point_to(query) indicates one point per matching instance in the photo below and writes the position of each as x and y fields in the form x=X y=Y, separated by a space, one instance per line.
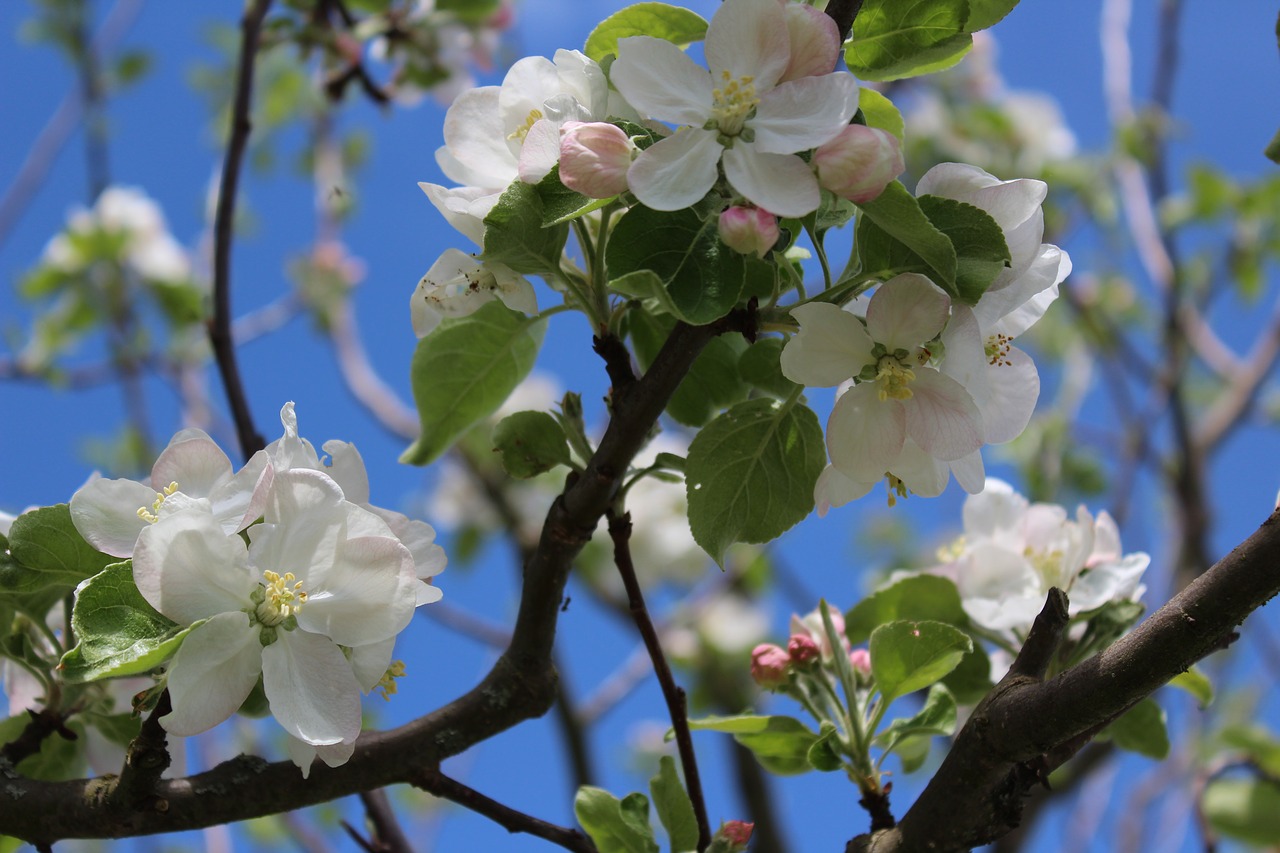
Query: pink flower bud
x=749 y=230
x=594 y=158
x=737 y=833
x=860 y=660
x=815 y=42
x=769 y=665
x=859 y=163
x=803 y=650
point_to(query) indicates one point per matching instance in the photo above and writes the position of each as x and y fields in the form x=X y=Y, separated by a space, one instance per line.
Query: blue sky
x=160 y=142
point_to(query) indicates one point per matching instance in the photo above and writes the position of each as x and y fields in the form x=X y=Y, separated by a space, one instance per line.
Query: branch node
x=1045 y=636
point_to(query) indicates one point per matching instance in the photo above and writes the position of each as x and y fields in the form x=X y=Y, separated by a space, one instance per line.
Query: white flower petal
x=782 y=184
x=830 y=347
x=661 y=81
x=369 y=662
x=1012 y=389
x=463 y=207
x=805 y=113
x=310 y=687
x=906 y=311
x=476 y=149
x=212 y=673
x=186 y=567
x=835 y=489
x=105 y=513
x=195 y=463
x=969 y=472
x=367 y=596
x=865 y=434
x=749 y=38
x=942 y=417
x=346 y=468
x=920 y=472
x=1016 y=308
x=540 y=151
x=676 y=172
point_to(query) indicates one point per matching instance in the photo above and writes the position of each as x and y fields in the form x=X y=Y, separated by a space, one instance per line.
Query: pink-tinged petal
x=291 y=450
x=920 y=472
x=804 y=113
x=830 y=347
x=906 y=311
x=300 y=492
x=346 y=467
x=370 y=662
x=188 y=569
x=419 y=537
x=362 y=521
x=661 y=81
x=212 y=673
x=969 y=472
x=1016 y=308
x=477 y=151
x=243 y=499
x=865 y=434
x=310 y=687
x=782 y=184
x=749 y=38
x=105 y=513
x=942 y=417
x=676 y=172
x=463 y=207
x=1012 y=389
x=540 y=151
x=835 y=489
x=196 y=464
x=815 y=42
x=368 y=596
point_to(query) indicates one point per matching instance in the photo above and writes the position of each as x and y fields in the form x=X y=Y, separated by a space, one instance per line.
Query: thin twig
x=388 y=837
x=620 y=533
x=42 y=724
x=220 y=338
x=435 y=782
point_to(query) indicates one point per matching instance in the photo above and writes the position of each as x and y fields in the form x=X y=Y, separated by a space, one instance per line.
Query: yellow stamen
x=733 y=103
x=151 y=516
x=896 y=489
x=280 y=600
x=893 y=377
x=997 y=349
x=535 y=115
x=387 y=684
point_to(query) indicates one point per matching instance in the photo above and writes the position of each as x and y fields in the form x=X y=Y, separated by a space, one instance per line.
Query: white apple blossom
x=126 y=212
x=898 y=394
x=319 y=574
x=739 y=112
x=110 y=514
x=457 y=284
x=1013 y=551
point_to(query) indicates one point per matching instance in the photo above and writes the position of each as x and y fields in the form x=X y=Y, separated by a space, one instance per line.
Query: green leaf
x=971 y=679
x=561 y=204
x=1272 y=151
x=120 y=729
x=987 y=13
x=616 y=826
x=879 y=111
x=781 y=744
x=673 y=806
x=909 y=656
x=118 y=631
x=750 y=473
x=912 y=751
x=893 y=39
x=1197 y=684
x=981 y=251
x=1247 y=809
x=1259 y=742
x=895 y=235
x=530 y=443
x=761 y=365
x=702 y=277
x=712 y=382
x=1142 y=730
x=918 y=597
x=937 y=717
x=45 y=541
x=464 y=370
x=823 y=754
x=514 y=234
x=660 y=20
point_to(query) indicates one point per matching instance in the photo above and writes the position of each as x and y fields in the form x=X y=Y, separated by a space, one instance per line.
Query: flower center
x=279 y=599
x=535 y=115
x=151 y=516
x=1048 y=564
x=893 y=377
x=387 y=684
x=732 y=104
x=895 y=487
x=997 y=348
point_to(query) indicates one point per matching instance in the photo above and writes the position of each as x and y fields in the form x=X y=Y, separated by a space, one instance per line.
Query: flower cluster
x=283 y=569
x=126 y=224
x=809 y=654
x=1013 y=551
x=926 y=381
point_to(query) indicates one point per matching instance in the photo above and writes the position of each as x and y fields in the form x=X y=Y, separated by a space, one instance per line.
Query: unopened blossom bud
x=859 y=163
x=815 y=42
x=749 y=230
x=769 y=665
x=733 y=836
x=860 y=660
x=594 y=158
x=802 y=650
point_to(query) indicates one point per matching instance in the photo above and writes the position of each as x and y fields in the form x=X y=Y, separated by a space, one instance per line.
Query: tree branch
x=387 y=834
x=220 y=324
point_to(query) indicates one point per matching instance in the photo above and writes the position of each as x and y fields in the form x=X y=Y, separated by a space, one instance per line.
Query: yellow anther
x=1048 y=564
x=997 y=349
x=535 y=115
x=952 y=551
x=151 y=516
x=896 y=489
x=387 y=684
x=733 y=103
x=893 y=377
x=283 y=597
